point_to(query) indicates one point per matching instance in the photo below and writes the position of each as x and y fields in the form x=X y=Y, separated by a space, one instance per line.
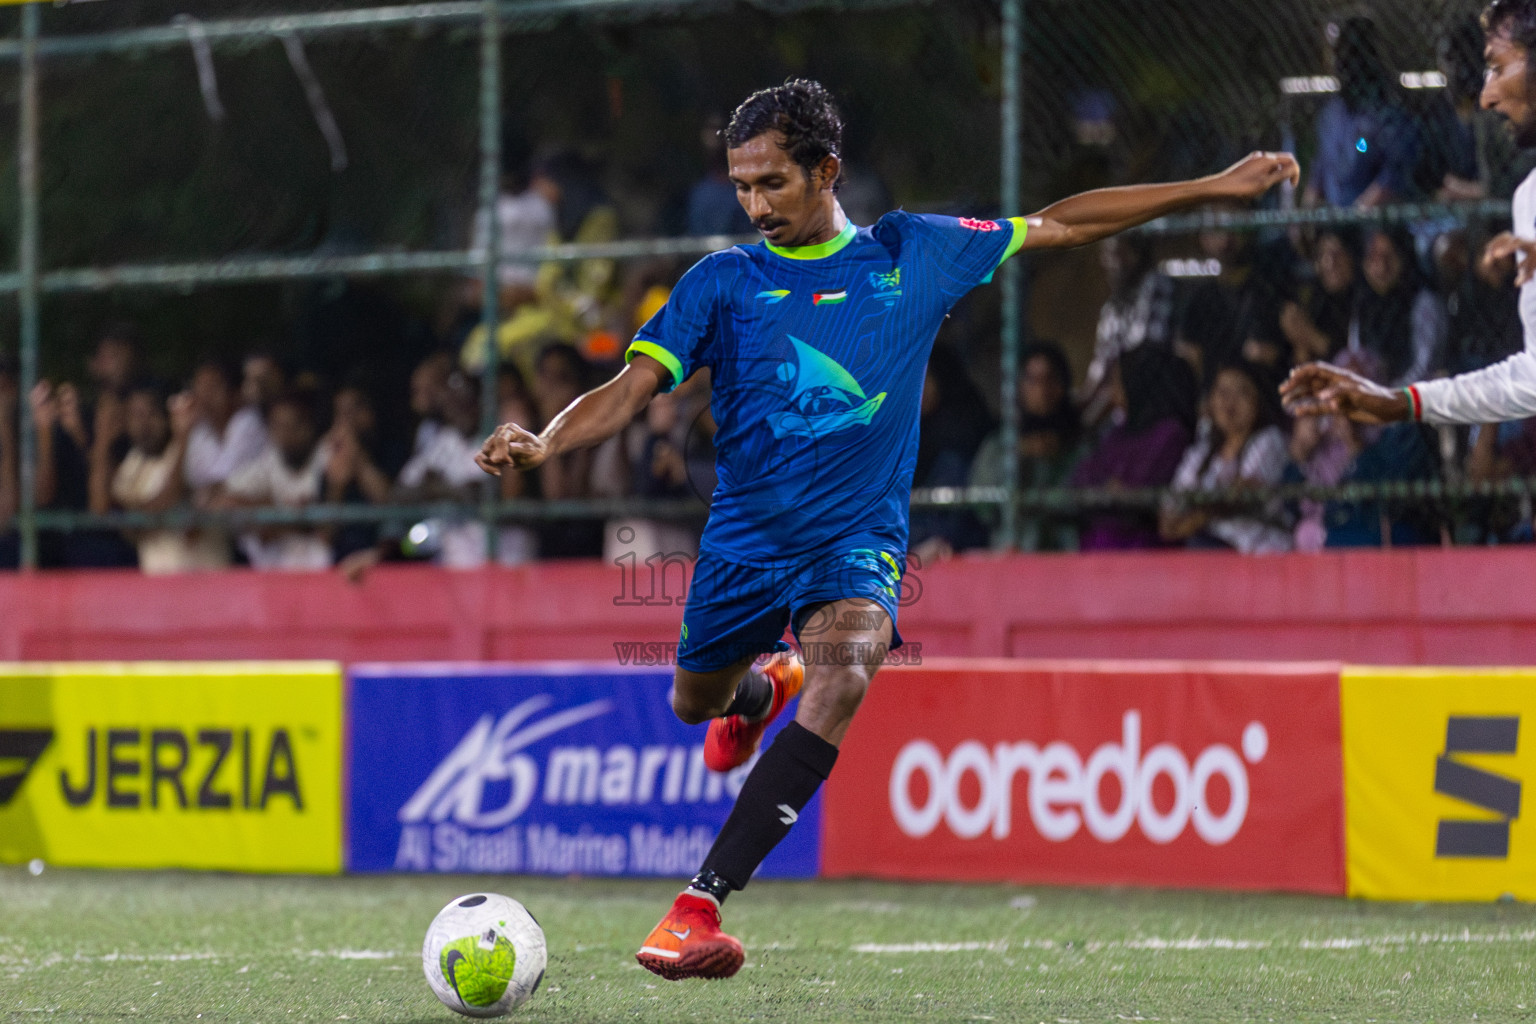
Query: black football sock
x=754 y=696
x=708 y=883
x=781 y=784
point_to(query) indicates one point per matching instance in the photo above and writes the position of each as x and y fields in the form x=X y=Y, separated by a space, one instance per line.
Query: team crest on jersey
x=887 y=286
x=980 y=225
x=824 y=397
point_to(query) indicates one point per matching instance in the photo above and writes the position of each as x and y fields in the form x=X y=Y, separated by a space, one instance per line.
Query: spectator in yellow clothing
x=570 y=298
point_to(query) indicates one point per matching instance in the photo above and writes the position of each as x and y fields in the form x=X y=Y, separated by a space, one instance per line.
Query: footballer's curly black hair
x=803 y=110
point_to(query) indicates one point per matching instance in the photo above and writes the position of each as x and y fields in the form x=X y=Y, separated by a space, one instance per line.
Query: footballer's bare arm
x=590 y=420
x=1091 y=216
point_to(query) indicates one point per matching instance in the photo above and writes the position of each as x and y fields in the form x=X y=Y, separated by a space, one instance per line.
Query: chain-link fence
x=304 y=179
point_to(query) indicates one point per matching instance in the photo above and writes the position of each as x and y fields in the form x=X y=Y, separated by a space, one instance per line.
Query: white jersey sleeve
x=1506 y=390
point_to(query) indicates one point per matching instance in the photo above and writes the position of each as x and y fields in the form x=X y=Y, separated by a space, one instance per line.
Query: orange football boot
x=731 y=742
x=688 y=943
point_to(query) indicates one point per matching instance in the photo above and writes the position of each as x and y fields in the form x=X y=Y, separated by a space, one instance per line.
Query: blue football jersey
x=817 y=357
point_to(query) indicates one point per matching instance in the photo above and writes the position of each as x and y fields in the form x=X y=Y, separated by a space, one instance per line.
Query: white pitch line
x=1466 y=935
x=107 y=958
x=119 y=957
x=1192 y=943
x=1202 y=944
x=929 y=947
x=167 y=958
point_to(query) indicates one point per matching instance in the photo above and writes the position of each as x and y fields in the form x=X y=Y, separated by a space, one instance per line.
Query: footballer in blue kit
x=817 y=343
x=817 y=357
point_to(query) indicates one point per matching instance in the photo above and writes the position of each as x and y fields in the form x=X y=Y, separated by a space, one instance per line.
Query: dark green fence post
x=27 y=265
x=1013 y=18
x=490 y=187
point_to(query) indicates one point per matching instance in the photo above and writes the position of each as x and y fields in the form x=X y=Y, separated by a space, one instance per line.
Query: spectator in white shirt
x=429 y=383
x=445 y=470
x=1242 y=448
x=1139 y=311
x=526 y=219
x=442 y=468
x=289 y=472
x=261 y=380
x=225 y=437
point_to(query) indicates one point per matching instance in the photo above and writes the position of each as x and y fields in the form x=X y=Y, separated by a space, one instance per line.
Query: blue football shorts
x=737 y=611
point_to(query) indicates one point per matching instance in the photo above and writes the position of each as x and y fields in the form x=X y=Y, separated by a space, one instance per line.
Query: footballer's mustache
x=768 y=225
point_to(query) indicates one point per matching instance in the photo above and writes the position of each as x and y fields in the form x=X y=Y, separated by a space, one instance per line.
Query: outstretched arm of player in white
x=589 y=420
x=1090 y=216
x=1503 y=391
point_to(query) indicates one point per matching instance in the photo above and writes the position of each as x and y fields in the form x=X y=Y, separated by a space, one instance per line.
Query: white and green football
x=484 y=955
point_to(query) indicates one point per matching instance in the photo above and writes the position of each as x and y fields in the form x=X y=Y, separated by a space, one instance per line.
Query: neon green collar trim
x=815 y=252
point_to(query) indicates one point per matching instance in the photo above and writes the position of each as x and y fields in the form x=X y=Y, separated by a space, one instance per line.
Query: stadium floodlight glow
x=1191 y=268
x=1303 y=85
x=1311 y=85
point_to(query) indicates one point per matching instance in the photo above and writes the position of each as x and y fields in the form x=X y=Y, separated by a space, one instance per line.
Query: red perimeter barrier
x=1415 y=606
x=1225 y=776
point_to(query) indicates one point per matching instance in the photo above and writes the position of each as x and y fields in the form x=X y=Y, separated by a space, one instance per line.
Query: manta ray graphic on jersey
x=826 y=398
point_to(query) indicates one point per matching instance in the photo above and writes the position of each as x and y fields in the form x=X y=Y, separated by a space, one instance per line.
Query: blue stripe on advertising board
x=530 y=769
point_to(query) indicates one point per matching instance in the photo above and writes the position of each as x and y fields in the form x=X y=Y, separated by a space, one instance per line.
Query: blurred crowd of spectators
x=250 y=436
x=1179 y=392
x=341 y=428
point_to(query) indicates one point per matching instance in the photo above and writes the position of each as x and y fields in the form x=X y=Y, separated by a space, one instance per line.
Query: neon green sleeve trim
x=1020 y=229
x=661 y=355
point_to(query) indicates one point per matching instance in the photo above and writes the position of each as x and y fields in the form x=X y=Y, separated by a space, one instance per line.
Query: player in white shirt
x=1506 y=390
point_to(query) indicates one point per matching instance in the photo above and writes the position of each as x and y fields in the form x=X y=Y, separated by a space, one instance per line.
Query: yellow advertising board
x=233 y=766
x=1435 y=765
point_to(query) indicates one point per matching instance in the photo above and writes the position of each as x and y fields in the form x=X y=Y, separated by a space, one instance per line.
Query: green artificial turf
x=105 y=946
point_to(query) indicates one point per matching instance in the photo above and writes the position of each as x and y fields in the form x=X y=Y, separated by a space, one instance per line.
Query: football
x=484 y=955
